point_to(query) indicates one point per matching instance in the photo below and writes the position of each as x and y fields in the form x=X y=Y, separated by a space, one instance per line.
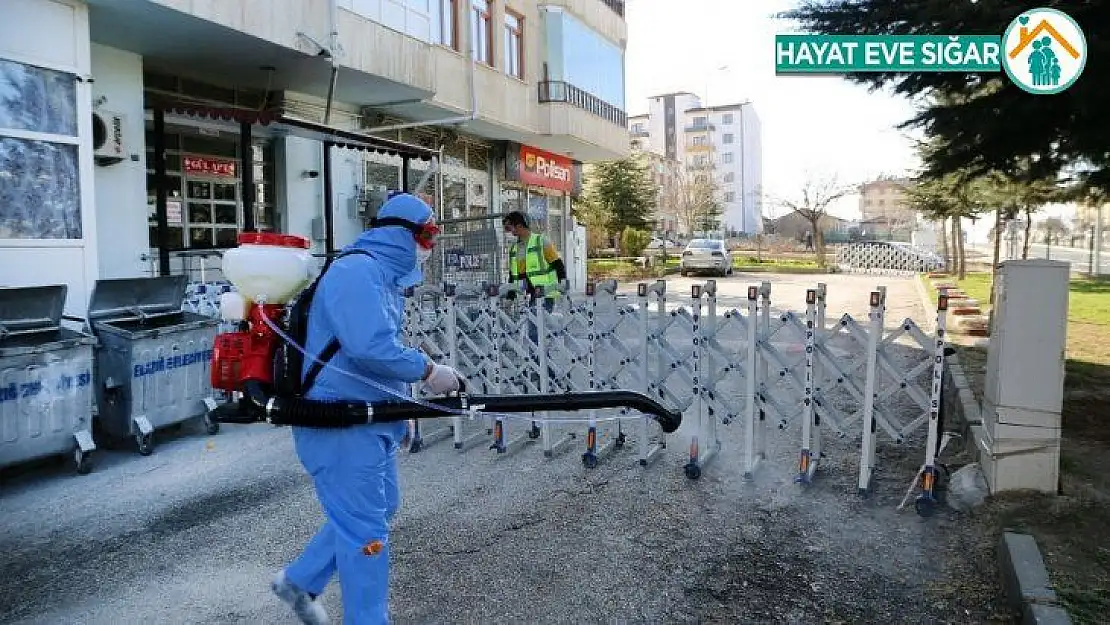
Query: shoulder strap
x=332 y=348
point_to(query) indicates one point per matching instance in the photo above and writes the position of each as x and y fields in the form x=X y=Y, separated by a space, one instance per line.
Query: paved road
x=1080 y=258
x=193 y=533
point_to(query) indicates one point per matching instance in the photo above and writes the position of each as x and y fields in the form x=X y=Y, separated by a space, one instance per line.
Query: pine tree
x=623 y=190
x=987 y=123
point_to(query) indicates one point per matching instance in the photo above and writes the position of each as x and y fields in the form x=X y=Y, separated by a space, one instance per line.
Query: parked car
x=706 y=255
x=659 y=244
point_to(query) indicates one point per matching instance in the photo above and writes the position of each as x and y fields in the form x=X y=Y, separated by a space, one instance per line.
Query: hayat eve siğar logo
x=1045 y=51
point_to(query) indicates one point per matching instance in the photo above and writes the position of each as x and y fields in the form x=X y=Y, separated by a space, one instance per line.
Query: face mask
x=422 y=255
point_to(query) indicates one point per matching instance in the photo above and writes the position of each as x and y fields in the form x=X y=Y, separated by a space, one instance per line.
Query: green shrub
x=634 y=241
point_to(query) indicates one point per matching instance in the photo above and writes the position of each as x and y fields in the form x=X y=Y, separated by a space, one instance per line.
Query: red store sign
x=204 y=166
x=544 y=169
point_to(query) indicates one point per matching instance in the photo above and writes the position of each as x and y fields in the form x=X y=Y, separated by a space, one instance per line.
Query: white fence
x=887 y=258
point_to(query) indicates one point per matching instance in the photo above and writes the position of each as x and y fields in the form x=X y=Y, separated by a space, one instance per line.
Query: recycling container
x=46 y=399
x=153 y=358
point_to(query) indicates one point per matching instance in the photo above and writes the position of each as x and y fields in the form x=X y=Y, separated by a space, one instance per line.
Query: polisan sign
x=544 y=169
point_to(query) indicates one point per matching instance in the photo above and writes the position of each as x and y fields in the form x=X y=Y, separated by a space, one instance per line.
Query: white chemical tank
x=268 y=267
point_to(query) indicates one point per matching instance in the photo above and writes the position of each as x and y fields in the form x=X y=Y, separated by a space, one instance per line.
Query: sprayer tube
x=316 y=414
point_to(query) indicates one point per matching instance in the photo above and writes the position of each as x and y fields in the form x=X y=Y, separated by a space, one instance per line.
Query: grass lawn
x=1070 y=528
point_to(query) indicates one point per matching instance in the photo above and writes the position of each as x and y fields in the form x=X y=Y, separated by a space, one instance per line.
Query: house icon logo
x=1045 y=51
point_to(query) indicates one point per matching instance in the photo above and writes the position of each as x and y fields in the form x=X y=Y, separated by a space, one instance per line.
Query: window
x=727 y=119
x=40 y=193
x=727 y=138
x=637 y=128
x=480 y=26
x=730 y=177
x=701 y=179
x=726 y=157
x=449 y=23
x=514 y=44
x=700 y=161
x=581 y=56
x=700 y=121
x=730 y=196
x=699 y=140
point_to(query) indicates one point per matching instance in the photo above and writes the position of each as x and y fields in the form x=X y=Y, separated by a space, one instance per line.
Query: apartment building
x=884 y=208
x=723 y=142
x=160 y=129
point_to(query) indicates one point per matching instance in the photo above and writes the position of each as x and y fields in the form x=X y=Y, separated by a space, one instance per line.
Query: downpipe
x=259 y=405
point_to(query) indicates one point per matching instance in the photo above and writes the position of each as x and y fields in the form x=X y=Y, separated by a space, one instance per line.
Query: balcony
x=616 y=5
x=700 y=127
x=562 y=92
x=699 y=147
x=639 y=133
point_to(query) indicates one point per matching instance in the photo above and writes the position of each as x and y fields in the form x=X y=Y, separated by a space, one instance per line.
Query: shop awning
x=287 y=125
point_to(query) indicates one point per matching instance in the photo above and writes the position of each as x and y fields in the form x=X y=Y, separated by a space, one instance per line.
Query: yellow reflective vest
x=536 y=268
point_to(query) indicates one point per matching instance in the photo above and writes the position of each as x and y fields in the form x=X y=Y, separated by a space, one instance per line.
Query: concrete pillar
x=1019 y=441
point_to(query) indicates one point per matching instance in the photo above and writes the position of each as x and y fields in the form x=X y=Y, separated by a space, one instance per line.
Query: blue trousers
x=355 y=474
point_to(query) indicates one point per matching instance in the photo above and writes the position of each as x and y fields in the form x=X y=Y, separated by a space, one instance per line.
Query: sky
x=812 y=126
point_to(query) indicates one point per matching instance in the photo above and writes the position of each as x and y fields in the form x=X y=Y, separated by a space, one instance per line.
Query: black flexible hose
x=259 y=405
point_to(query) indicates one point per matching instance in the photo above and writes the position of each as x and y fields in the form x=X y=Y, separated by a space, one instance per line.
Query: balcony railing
x=616 y=5
x=559 y=91
x=700 y=127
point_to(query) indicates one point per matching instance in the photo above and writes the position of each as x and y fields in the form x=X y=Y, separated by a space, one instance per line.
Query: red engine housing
x=239 y=357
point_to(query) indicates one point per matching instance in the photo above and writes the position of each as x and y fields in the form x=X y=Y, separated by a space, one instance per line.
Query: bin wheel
x=145 y=443
x=83 y=461
x=211 y=427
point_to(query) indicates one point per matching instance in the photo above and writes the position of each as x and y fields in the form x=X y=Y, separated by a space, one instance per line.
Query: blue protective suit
x=360 y=301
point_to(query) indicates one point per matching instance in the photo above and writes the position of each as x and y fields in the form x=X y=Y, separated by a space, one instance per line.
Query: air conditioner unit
x=108 y=137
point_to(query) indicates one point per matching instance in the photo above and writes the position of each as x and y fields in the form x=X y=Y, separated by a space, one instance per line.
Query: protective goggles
x=425 y=234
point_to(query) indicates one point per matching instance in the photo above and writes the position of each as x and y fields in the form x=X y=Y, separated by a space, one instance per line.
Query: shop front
x=543 y=186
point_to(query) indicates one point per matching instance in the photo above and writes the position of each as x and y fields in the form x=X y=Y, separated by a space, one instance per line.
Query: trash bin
x=153 y=360
x=45 y=379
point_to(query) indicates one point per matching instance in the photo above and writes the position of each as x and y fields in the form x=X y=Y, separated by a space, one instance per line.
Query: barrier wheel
x=145 y=443
x=416 y=445
x=534 y=433
x=590 y=460
x=621 y=439
x=925 y=506
x=692 y=471
x=83 y=461
x=211 y=427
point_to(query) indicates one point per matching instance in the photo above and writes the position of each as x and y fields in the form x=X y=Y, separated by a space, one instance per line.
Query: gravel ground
x=193 y=533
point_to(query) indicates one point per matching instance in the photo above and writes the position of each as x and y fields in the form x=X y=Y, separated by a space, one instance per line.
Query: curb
x=1026 y=581
x=1024 y=575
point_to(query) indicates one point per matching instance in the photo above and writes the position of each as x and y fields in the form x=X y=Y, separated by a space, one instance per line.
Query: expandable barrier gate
x=839 y=377
x=884 y=259
x=743 y=364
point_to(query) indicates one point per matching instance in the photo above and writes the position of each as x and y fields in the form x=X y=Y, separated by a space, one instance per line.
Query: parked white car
x=706 y=255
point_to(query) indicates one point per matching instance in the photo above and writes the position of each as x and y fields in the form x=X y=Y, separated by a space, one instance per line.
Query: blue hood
x=394 y=246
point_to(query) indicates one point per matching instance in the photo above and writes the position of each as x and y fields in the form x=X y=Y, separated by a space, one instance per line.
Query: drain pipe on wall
x=460 y=119
x=333 y=49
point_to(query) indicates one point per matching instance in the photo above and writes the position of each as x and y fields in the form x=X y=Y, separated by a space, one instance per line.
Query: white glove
x=442 y=380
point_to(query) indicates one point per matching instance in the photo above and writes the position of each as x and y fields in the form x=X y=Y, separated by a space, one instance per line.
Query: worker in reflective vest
x=536 y=263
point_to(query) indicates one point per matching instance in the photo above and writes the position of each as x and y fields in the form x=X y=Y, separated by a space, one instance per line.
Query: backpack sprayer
x=263 y=361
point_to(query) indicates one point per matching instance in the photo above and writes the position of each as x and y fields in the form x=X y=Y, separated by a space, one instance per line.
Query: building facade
x=139 y=137
x=721 y=142
x=885 y=210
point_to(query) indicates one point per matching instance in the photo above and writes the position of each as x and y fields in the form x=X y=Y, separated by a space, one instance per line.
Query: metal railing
x=559 y=91
x=616 y=5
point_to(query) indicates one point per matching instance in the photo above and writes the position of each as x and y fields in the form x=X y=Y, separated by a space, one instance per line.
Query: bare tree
x=812 y=204
x=691 y=197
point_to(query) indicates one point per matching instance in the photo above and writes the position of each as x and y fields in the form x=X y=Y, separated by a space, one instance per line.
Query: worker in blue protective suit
x=359 y=301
